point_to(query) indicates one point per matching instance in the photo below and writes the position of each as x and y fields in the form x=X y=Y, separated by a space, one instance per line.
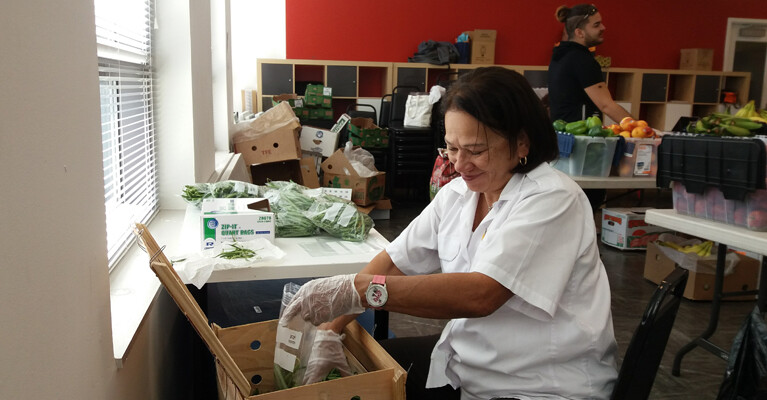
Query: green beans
x=194 y=194
x=238 y=252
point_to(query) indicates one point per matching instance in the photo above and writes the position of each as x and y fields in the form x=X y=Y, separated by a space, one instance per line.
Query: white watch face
x=376 y=295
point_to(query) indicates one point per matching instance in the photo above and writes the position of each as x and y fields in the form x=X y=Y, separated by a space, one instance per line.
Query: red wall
x=642 y=34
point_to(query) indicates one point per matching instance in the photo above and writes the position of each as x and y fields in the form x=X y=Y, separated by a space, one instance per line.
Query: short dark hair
x=575 y=17
x=503 y=101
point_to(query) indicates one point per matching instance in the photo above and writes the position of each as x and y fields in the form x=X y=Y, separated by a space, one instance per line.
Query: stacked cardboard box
x=319 y=100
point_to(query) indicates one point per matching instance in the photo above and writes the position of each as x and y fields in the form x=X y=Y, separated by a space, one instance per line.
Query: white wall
x=56 y=335
x=56 y=324
x=258 y=31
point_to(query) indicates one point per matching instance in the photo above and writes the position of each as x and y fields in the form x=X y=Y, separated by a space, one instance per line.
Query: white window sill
x=133 y=285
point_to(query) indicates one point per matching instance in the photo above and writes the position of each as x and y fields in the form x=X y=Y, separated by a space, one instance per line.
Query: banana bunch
x=723 y=124
x=749 y=111
x=702 y=249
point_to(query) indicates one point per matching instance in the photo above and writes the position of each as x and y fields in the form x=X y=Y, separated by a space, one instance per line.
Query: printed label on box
x=643 y=164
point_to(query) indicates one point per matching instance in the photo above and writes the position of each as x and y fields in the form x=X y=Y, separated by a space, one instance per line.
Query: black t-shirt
x=572 y=69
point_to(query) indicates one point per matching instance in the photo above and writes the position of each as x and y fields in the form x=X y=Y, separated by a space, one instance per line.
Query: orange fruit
x=641 y=123
x=628 y=124
x=642 y=132
x=615 y=128
x=625 y=134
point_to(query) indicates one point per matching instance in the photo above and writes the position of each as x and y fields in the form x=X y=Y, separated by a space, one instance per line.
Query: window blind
x=123 y=34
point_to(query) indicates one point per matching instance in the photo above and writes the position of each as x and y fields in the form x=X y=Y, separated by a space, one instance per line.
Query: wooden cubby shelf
x=659 y=96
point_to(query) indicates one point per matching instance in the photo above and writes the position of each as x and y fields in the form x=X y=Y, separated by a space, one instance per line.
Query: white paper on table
x=196 y=268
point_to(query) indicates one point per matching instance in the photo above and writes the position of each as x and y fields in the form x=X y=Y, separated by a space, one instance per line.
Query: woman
x=507 y=252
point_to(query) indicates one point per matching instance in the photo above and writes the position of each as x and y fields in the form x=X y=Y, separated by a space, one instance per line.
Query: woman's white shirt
x=554 y=338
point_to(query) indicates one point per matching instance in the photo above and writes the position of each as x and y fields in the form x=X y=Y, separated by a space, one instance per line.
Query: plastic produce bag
x=195 y=193
x=746 y=374
x=289 y=201
x=294 y=344
x=340 y=219
x=361 y=160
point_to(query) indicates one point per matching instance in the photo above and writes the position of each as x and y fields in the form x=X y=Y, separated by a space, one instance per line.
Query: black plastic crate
x=734 y=165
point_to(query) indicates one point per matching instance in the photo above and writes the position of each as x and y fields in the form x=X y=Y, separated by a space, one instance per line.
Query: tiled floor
x=701 y=371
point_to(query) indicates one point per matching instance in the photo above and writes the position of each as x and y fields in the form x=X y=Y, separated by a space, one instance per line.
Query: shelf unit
x=350 y=80
x=659 y=96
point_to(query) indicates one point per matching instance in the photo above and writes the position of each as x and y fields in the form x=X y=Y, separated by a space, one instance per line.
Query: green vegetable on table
x=238 y=252
x=576 y=127
x=340 y=219
x=560 y=125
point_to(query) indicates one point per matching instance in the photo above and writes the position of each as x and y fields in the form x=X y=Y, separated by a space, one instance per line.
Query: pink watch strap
x=379 y=279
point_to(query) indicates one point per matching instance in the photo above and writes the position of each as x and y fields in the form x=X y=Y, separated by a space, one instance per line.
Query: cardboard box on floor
x=271 y=137
x=625 y=229
x=245 y=374
x=318 y=140
x=337 y=171
x=700 y=285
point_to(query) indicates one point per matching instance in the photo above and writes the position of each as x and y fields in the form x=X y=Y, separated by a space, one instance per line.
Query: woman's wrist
x=361 y=283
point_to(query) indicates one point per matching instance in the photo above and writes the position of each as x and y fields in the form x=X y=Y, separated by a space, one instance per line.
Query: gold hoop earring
x=523 y=161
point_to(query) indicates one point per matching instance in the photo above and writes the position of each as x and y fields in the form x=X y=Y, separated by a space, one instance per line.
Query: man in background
x=577 y=89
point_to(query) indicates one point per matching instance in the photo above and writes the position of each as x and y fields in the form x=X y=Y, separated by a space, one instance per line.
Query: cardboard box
x=625 y=228
x=696 y=59
x=239 y=219
x=700 y=286
x=318 y=140
x=271 y=137
x=483 y=46
x=244 y=354
x=278 y=145
x=364 y=132
x=381 y=209
x=320 y=113
x=291 y=98
x=287 y=170
x=309 y=174
x=338 y=172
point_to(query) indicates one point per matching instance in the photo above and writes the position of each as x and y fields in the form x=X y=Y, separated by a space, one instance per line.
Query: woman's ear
x=523 y=145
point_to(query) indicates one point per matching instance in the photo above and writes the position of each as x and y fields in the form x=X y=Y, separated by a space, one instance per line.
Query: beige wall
x=55 y=335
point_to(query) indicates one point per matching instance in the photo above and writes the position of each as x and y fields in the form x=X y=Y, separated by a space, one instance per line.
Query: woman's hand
x=323 y=300
x=327 y=353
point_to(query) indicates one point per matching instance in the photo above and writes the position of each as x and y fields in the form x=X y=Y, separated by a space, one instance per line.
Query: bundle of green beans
x=288 y=203
x=340 y=219
x=237 y=252
x=195 y=193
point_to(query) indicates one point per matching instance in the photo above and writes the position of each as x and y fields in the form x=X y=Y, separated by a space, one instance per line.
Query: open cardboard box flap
x=381 y=378
x=338 y=164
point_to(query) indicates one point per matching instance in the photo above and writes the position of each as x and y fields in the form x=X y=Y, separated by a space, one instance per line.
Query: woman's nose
x=459 y=162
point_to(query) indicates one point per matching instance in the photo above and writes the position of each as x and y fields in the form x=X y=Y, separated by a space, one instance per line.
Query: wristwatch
x=377 y=294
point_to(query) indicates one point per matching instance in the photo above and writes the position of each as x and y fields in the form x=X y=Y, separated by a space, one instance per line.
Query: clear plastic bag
x=289 y=201
x=340 y=219
x=195 y=193
x=295 y=339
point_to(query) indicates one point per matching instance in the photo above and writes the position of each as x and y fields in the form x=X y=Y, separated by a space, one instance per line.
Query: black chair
x=645 y=351
x=412 y=151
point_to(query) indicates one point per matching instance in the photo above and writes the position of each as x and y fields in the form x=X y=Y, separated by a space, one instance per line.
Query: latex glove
x=325 y=299
x=327 y=353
